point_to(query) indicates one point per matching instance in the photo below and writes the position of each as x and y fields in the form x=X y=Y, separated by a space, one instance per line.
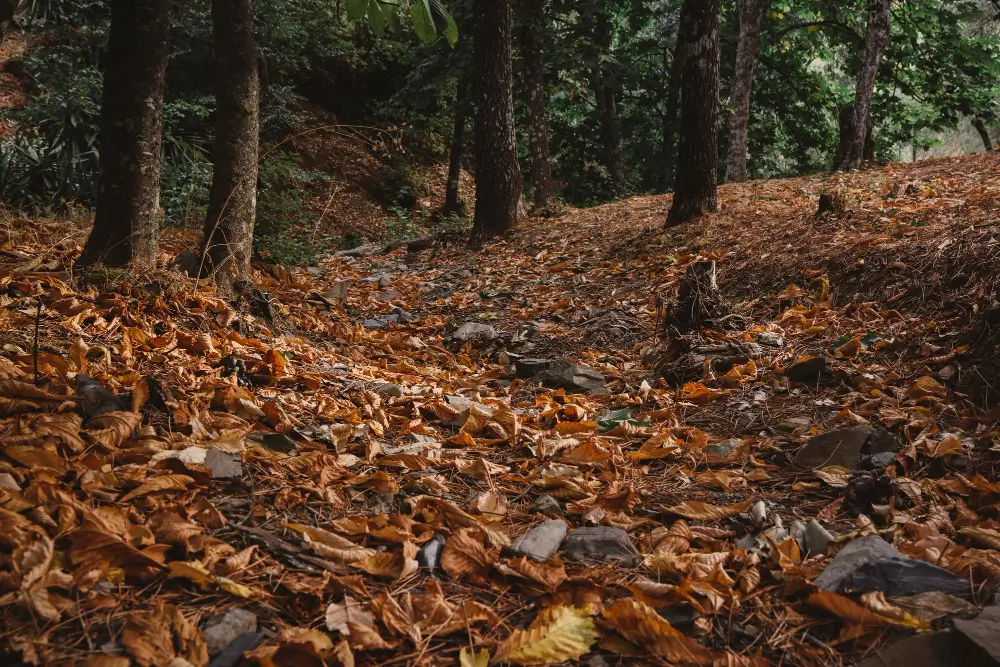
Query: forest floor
x=343 y=475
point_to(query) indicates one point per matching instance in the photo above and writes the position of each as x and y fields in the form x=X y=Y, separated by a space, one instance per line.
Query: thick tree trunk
x=696 y=191
x=128 y=196
x=668 y=167
x=232 y=206
x=534 y=80
x=607 y=105
x=853 y=145
x=452 y=196
x=751 y=18
x=498 y=176
x=984 y=133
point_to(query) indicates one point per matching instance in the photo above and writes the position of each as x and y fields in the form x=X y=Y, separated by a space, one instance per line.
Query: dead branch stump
x=699 y=302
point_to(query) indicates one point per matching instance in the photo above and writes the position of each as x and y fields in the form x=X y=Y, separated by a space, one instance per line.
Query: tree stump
x=699 y=301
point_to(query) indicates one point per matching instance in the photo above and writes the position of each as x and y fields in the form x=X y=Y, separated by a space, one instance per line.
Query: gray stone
x=187 y=262
x=221 y=630
x=870 y=563
x=474 y=331
x=336 y=293
x=390 y=389
x=233 y=654
x=223 y=464
x=845 y=446
x=723 y=448
x=546 y=504
x=930 y=649
x=384 y=280
x=526 y=368
x=560 y=374
x=793 y=426
x=818 y=538
x=982 y=633
x=798 y=531
x=541 y=541
x=771 y=339
x=429 y=555
x=602 y=543
x=385 y=297
x=808 y=370
x=382 y=322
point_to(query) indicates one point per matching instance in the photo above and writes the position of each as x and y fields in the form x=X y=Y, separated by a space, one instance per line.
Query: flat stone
x=526 y=368
x=223 y=464
x=771 y=339
x=429 y=555
x=982 y=632
x=384 y=280
x=546 y=504
x=723 y=448
x=232 y=655
x=808 y=369
x=385 y=297
x=336 y=293
x=221 y=630
x=870 y=563
x=845 y=447
x=931 y=649
x=474 y=331
x=576 y=378
x=541 y=541
x=378 y=323
x=818 y=538
x=602 y=543
x=390 y=389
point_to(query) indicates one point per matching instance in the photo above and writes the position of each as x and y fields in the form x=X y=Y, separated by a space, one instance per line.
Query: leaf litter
x=355 y=478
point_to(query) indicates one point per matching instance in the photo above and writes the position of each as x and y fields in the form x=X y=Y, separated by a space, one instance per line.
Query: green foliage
x=284 y=232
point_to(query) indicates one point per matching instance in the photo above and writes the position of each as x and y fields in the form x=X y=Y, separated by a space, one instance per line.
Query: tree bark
x=128 y=196
x=696 y=191
x=232 y=205
x=452 y=197
x=607 y=105
x=668 y=167
x=984 y=133
x=498 y=176
x=751 y=18
x=534 y=79
x=853 y=145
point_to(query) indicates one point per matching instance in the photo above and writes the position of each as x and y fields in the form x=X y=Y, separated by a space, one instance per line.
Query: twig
x=34 y=351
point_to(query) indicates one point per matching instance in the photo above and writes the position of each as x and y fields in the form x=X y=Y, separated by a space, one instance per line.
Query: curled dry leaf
x=465 y=556
x=697 y=510
x=332 y=546
x=162 y=636
x=156 y=484
x=556 y=635
x=642 y=626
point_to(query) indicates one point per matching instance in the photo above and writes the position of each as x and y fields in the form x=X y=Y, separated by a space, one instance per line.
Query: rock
x=793 y=426
x=220 y=631
x=931 y=649
x=384 y=280
x=870 y=563
x=759 y=513
x=187 y=262
x=382 y=322
x=474 y=331
x=806 y=369
x=602 y=543
x=934 y=605
x=845 y=446
x=429 y=555
x=541 y=541
x=817 y=538
x=96 y=399
x=337 y=293
x=385 y=297
x=546 y=504
x=233 y=654
x=527 y=368
x=723 y=448
x=981 y=634
x=560 y=374
x=359 y=251
x=877 y=461
x=797 y=531
x=223 y=464
x=771 y=339
x=390 y=389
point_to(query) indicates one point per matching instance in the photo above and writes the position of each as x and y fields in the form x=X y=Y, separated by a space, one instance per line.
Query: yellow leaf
x=701 y=511
x=699 y=393
x=572 y=428
x=876 y=603
x=466 y=658
x=556 y=635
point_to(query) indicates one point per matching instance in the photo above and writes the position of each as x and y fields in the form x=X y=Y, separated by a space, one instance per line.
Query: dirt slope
x=307 y=486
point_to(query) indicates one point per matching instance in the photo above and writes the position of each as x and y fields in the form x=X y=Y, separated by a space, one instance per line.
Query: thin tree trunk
x=668 y=167
x=607 y=104
x=128 y=196
x=853 y=150
x=232 y=206
x=534 y=75
x=452 y=197
x=984 y=133
x=498 y=176
x=751 y=18
x=696 y=191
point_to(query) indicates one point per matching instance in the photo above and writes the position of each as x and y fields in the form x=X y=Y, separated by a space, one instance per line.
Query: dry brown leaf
x=156 y=484
x=556 y=635
x=697 y=510
x=465 y=556
x=157 y=638
x=641 y=625
x=330 y=545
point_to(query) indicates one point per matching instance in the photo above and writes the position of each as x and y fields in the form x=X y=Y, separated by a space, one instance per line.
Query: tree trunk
x=984 y=133
x=452 y=197
x=669 y=150
x=128 y=196
x=751 y=18
x=607 y=105
x=232 y=205
x=534 y=79
x=853 y=148
x=498 y=176
x=696 y=191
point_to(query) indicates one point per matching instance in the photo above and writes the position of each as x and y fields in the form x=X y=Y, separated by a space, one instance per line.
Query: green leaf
x=423 y=23
x=376 y=19
x=450 y=27
x=356 y=9
x=391 y=15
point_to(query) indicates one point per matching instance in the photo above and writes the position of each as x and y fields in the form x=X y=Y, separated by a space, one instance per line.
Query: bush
x=284 y=232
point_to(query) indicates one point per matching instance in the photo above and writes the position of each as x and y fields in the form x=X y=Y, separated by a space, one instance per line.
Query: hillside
x=172 y=459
